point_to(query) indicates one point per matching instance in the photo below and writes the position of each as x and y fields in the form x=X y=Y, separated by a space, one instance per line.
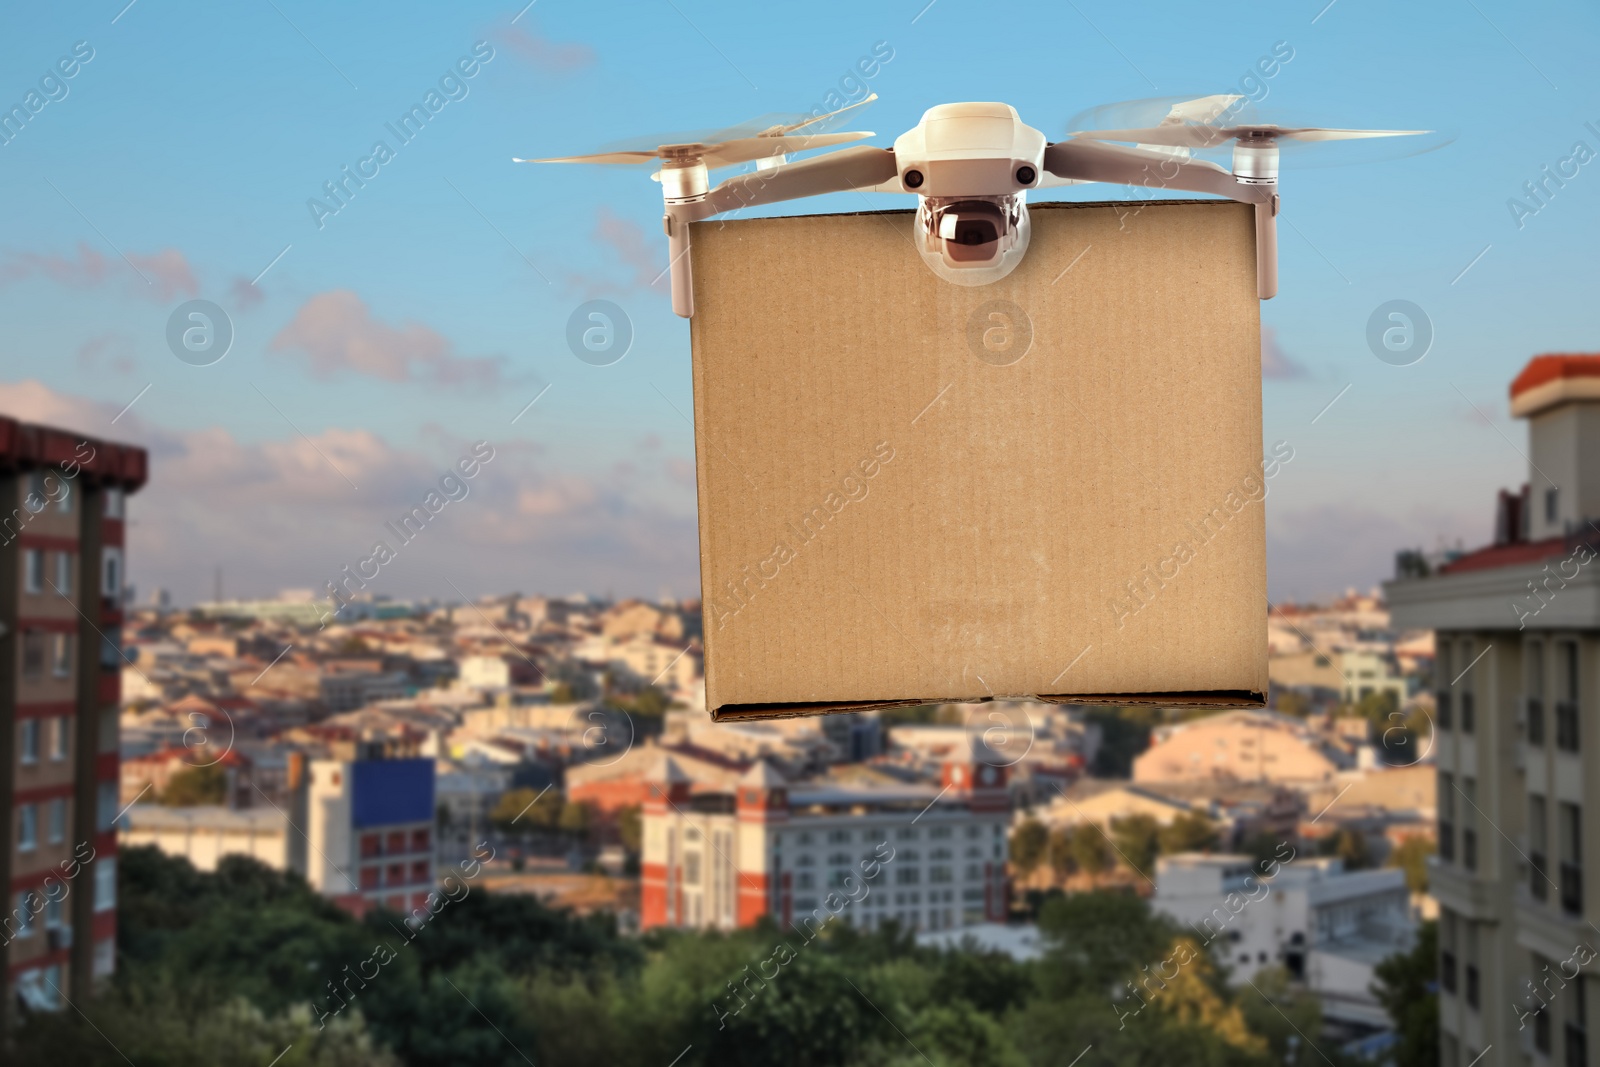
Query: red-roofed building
x=1517 y=732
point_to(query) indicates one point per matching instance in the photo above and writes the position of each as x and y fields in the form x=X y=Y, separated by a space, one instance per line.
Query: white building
x=1326 y=926
x=204 y=834
x=928 y=857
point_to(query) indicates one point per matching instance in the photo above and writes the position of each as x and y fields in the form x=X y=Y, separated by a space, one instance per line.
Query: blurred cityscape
x=284 y=774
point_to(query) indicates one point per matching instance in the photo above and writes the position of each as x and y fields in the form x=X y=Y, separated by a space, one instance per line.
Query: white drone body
x=970 y=166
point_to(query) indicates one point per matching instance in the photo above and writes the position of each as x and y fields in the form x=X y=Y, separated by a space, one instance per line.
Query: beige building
x=1241 y=746
x=1518 y=671
x=204 y=834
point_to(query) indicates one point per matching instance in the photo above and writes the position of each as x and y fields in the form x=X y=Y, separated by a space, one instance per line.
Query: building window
x=61 y=655
x=1538 y=846
x=24 y=914
x=1577 y=1031
x=691 y=868
x=58 y=737
x=1535 y=693
x=56 y=830
x=113 y=503
x=836 y=837
x=106 y=809
x=1570 y=829
x=111 y=575
x=1541 y=1021
x=396 y=842
x=32 y=571
x=419 y=840
x=1447 y=817
x=38 y=497
x=33 y=653
x=27 y=827
x=1467 y=710
x=1567 y=706
x=64 y=505
x=396 y=874
x=29 y=752
x=369 y=877
x=105 y=883
x=64 y=573
x=1469 y=823
x=370 y=846
x=419 y=871
x=1552 y=505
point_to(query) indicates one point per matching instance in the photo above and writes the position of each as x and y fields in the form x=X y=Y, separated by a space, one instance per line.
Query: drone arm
x=862 y=167
x=850 y=168
x=1103 y=162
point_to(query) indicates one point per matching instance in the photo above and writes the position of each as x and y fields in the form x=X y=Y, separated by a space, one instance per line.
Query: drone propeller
x=1201 y=135
x=1231 y=120
x=758 y=139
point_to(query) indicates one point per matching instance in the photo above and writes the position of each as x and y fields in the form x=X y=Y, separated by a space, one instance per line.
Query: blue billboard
x=389 y=791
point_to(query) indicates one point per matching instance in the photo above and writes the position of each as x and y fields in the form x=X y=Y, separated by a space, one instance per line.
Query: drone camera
x=972 y=240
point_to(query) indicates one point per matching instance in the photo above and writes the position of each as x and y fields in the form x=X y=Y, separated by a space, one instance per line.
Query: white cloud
x=274 y=515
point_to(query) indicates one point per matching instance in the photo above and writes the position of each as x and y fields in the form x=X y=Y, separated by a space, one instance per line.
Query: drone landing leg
x=677 y=226
x=1267 y=248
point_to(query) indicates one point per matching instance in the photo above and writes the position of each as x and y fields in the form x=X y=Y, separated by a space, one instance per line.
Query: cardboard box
x=914 y=492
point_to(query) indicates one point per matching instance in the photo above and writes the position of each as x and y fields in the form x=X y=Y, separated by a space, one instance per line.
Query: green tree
x=1293 y=702
x=1411 y=856
x=196 y=785
x=1189 y=832
x=1061 y=850
x=630 y=828
x=1124 y=733
x=1138 y=837
x=561 y=693
x=1350 y=845
x=1030 y=842
x=1406 y=987
x=1261 y=847
x=650 y=701
x=527 y=809
x=1091 y=852
x=574 y=819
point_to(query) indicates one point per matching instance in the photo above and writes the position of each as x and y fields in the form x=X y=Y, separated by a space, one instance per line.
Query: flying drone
x=970 y=166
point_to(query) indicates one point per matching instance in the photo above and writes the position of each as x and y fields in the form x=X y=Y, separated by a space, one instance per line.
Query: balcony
x=1466 y=893
x=1572 y=889
x=1567 y=726
x=1535 y=721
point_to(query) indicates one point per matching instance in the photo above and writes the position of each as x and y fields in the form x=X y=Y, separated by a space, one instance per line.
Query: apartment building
x=61 y=580
x=369 y=827
x=1517 y=732
x=930 y=857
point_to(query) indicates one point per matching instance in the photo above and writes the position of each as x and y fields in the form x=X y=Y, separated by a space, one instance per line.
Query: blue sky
x=431 y=308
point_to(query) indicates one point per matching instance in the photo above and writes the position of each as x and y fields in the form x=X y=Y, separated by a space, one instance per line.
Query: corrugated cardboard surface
x=895 y=508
